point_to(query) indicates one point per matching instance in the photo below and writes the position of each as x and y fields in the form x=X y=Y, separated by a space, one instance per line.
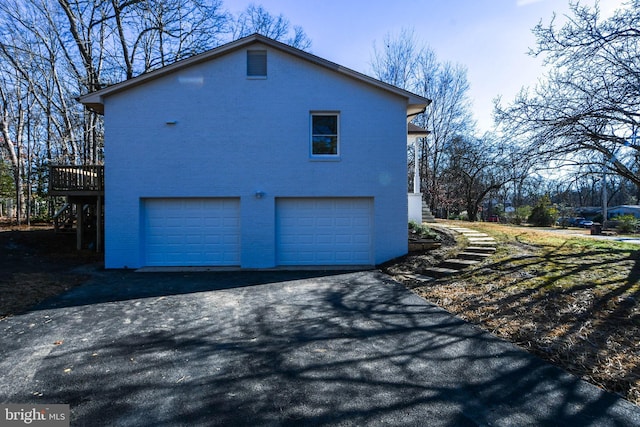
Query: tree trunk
x=14 y=152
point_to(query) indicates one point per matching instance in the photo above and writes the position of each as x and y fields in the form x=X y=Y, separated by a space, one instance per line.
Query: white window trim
x=325 y=157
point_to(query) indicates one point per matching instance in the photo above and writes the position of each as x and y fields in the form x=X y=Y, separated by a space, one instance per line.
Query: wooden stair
x=64 y=219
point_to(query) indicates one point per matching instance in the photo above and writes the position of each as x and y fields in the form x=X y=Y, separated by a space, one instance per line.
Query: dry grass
x=574 y=301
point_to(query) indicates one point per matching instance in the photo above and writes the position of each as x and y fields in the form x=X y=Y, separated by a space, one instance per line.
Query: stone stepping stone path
x=481 y=247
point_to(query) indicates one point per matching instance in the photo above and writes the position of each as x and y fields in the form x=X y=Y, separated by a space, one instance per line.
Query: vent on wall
x=256 y=63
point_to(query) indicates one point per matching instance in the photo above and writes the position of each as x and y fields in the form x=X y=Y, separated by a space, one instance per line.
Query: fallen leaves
x=570 y=301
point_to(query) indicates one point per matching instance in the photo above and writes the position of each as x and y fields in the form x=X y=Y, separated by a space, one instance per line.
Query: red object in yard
x=493 y=218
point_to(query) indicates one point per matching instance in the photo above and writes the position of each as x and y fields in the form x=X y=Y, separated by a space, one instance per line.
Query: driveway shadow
x=121 y=285
x=339 y=349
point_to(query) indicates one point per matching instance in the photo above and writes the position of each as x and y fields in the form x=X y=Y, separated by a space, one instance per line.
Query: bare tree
x=168 y=31
x=256 y=19
x=448 y=117
x=476 y=167
x=12 y=124
x=588 y=103
x=395 y=63
x=404 y=62
x=51 y=51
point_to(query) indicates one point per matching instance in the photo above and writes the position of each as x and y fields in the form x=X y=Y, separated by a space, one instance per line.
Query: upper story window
x=257 y=63
x=325 y=134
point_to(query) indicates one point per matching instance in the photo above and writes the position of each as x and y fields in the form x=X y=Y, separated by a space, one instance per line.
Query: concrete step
x=457 y=263
x=475 y=235
x=461 y=230
x=427 y=216
x=488 y=249
x=482 y=241
x=438 y=272
x=478 y=256
x=418 y=277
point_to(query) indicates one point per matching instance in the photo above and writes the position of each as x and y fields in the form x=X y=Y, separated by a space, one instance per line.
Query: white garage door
x=318 y=231
x=192 y=232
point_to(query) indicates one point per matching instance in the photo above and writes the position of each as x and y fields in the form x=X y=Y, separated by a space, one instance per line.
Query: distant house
x=589 y=212
x=254 y=154
x=624 y=210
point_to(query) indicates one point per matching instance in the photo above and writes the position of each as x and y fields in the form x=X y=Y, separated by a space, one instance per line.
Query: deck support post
x=98 y=223
x=79 y=226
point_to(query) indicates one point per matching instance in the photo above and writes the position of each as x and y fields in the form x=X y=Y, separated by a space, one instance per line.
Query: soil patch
x=37 y=264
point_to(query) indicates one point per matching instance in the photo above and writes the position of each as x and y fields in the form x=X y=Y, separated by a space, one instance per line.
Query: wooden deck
x=83 y=187
x=76 y=181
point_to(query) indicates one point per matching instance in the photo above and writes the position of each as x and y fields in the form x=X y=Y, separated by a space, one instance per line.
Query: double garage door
x=207 y=231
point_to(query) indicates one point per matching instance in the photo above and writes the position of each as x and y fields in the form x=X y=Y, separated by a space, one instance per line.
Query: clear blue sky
x=489 y=37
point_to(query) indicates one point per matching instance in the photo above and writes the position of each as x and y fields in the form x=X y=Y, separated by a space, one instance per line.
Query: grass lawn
x=574 y=301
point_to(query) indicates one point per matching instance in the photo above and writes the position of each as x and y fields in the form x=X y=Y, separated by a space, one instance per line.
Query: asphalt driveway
x=280 y=348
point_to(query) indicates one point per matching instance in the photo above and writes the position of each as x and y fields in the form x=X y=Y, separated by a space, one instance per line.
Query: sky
x=490 y=38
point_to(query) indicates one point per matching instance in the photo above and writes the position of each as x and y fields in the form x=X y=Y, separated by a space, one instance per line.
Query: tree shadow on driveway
x=344 y=349
x=123 y=285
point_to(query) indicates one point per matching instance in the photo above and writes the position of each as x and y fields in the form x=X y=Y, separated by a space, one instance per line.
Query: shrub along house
x=254 y=154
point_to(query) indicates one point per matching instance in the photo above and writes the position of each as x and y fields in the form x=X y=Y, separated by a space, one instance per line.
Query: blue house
x=255 y=155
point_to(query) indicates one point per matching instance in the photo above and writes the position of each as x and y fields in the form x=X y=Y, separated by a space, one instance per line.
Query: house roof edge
x=95 y=100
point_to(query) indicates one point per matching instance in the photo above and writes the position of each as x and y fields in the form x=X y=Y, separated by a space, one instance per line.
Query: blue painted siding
x=235 y=136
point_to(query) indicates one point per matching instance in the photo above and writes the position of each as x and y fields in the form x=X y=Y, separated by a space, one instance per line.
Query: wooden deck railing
x=78 y=180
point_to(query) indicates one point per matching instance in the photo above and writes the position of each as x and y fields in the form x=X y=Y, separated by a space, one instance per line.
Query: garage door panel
x=325 y=239
x=324 y=231
x=344 y=240
x=212 y=222
x=230 y=222
x=346 y=256
x=230 y=239
x=343 y=222
x=362 y=238
x=171 y=222
x=325 y=257
x=293 y=240
x=324 y=222
x=184 y=232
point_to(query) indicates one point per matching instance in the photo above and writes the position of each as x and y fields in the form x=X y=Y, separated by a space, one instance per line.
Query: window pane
x=257 y=63
x=325 y=125
x=325 y=144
